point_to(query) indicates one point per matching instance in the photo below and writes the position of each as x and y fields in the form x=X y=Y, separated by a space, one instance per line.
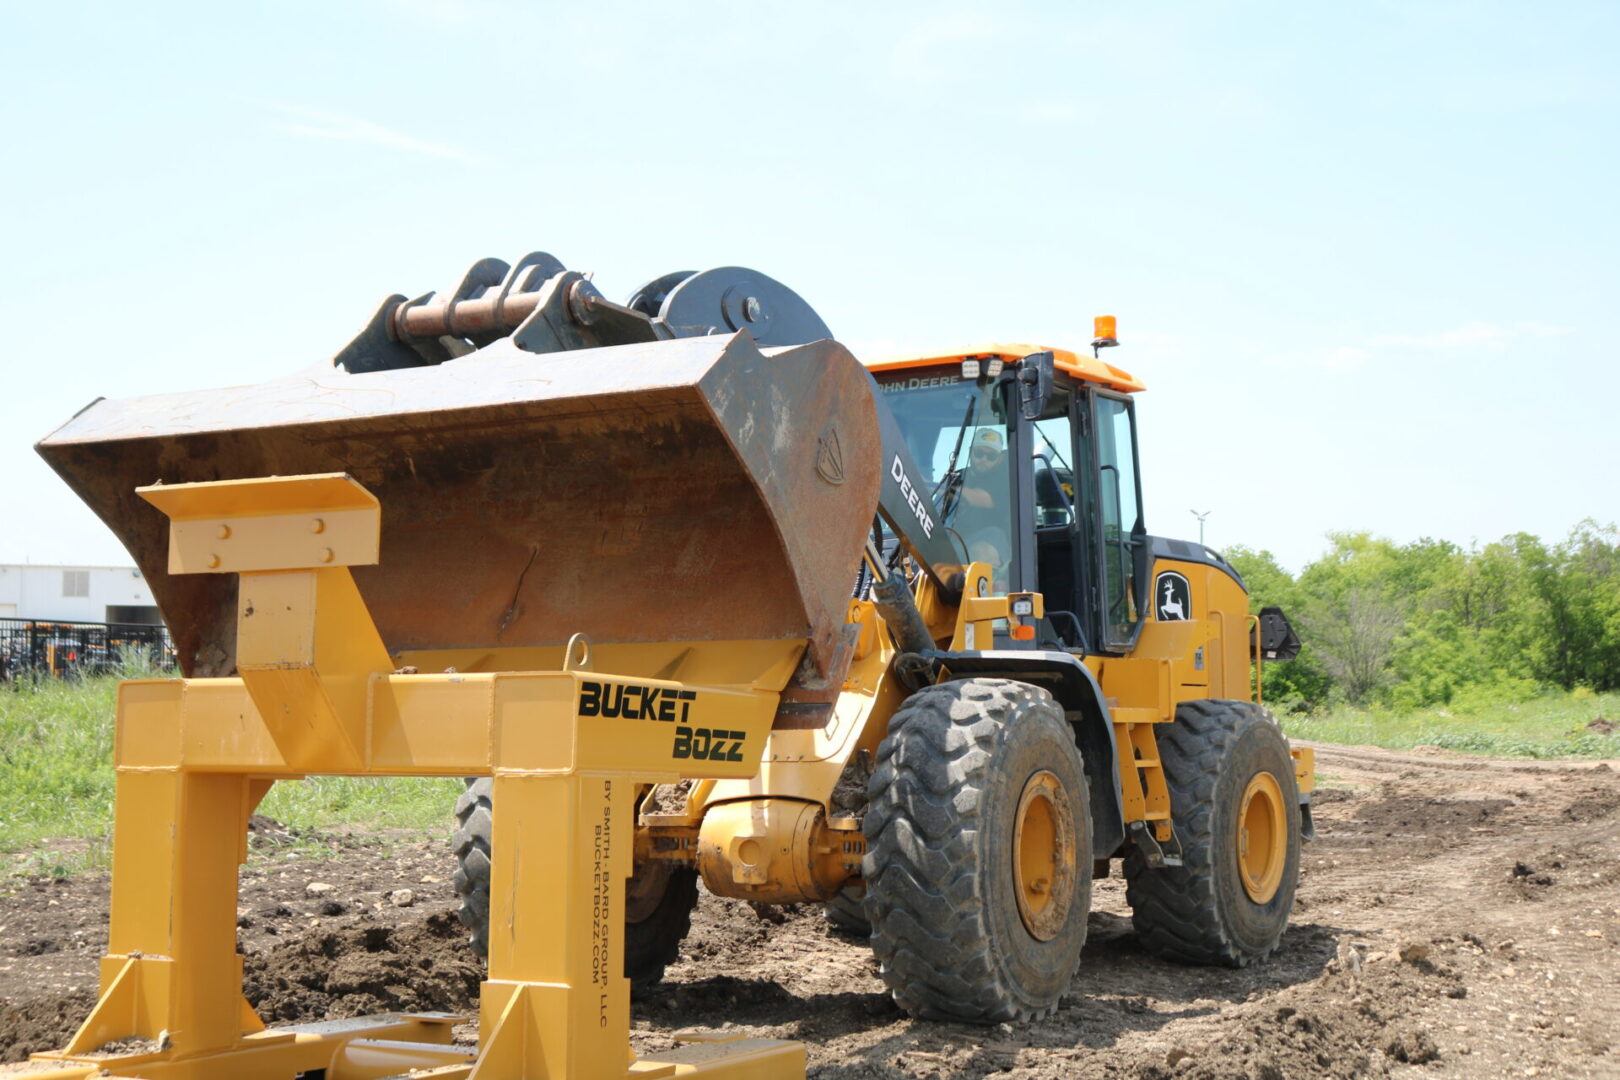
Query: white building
x=97 y=594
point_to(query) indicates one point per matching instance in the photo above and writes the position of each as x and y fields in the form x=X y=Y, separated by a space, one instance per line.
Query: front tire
x=1235 y=806
x=978 y=865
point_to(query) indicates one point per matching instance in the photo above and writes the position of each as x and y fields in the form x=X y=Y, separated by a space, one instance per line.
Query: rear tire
x=978 y=865
x=1235 y=807
x=660 y=905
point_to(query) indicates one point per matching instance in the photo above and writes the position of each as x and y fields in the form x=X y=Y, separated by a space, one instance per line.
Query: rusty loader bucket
x=695 y=489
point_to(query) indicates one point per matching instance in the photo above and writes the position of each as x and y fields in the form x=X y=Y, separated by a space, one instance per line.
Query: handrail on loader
x=317 y=694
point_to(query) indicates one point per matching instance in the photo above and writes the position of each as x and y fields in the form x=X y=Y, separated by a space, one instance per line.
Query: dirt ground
x=1457 y=917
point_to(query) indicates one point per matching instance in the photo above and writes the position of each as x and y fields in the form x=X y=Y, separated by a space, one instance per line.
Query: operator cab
x=1030 y=455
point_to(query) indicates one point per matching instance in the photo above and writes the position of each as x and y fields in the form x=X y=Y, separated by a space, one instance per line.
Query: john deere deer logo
x=829 y=456
x=1172 y=597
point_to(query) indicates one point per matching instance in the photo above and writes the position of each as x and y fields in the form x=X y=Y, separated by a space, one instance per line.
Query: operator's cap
x=988 y=437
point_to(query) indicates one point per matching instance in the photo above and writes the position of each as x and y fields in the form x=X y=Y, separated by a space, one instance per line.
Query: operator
x=984 y=513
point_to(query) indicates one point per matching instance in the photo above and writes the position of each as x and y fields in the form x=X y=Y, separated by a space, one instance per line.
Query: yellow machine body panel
x=1204 y=655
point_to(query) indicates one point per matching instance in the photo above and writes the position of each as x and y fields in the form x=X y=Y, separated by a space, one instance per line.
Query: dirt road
x=1457 y=917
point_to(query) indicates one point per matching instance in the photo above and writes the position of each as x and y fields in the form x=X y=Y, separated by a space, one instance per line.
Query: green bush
x=1424 y=624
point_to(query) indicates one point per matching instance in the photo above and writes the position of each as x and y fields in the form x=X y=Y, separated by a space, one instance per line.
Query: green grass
x=417 y=804
x=1552 y=726
x=56 y=774
x=56 y=784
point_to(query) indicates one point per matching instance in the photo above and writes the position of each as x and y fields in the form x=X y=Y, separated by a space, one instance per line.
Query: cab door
x=1057 y=518
x=1121 y=537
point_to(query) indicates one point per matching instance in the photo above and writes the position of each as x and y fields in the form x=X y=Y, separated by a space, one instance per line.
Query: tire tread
x=923 y=893
x=1175 y=910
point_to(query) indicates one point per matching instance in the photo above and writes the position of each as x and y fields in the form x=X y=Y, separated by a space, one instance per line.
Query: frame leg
x=557 y=1000
x=179 y=841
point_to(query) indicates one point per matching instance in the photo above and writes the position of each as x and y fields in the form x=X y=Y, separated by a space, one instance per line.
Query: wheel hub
x=1262 y=837
x=1044 y=856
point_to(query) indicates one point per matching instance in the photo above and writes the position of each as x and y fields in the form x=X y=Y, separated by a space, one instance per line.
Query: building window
x=76 y=583
x=137 y=614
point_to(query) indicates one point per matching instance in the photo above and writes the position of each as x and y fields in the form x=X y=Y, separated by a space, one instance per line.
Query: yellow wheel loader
x=691 y=594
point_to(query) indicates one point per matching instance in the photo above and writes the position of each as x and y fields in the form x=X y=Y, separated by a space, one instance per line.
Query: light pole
x=1200 y=518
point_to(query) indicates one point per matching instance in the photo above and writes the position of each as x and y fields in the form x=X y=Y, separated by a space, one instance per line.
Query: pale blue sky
x=1363 y=255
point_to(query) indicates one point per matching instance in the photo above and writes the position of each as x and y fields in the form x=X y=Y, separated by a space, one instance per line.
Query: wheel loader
x=691 y=594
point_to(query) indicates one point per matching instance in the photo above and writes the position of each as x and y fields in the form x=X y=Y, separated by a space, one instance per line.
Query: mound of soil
x=43 y=1023
x=325 y=933
x=356 y=970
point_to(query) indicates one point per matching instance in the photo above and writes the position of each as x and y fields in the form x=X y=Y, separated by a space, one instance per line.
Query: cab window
x=1052 y=447
x=956 y=430
x=1121 y=517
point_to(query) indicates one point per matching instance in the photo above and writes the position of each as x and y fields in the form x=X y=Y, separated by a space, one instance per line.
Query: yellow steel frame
x=317 y=693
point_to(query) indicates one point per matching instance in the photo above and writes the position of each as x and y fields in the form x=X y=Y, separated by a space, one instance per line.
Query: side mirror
x=1035 y=376
x=1277 y=638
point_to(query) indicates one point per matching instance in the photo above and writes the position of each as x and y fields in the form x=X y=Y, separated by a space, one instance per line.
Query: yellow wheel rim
x=1262 y=837
x=1044 y=856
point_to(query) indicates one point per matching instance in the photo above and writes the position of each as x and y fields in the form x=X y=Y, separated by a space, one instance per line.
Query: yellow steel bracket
x=317 y=694
x=303 y=633
x=1252 y=624
x=1304 y=768
x=976 y=616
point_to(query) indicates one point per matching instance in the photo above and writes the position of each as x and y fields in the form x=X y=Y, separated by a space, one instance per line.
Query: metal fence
x=35 y=648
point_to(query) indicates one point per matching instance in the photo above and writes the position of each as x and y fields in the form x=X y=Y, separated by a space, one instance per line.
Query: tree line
x=1429 y=623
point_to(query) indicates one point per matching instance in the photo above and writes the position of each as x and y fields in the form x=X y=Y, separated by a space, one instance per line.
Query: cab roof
x=1077 y=364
